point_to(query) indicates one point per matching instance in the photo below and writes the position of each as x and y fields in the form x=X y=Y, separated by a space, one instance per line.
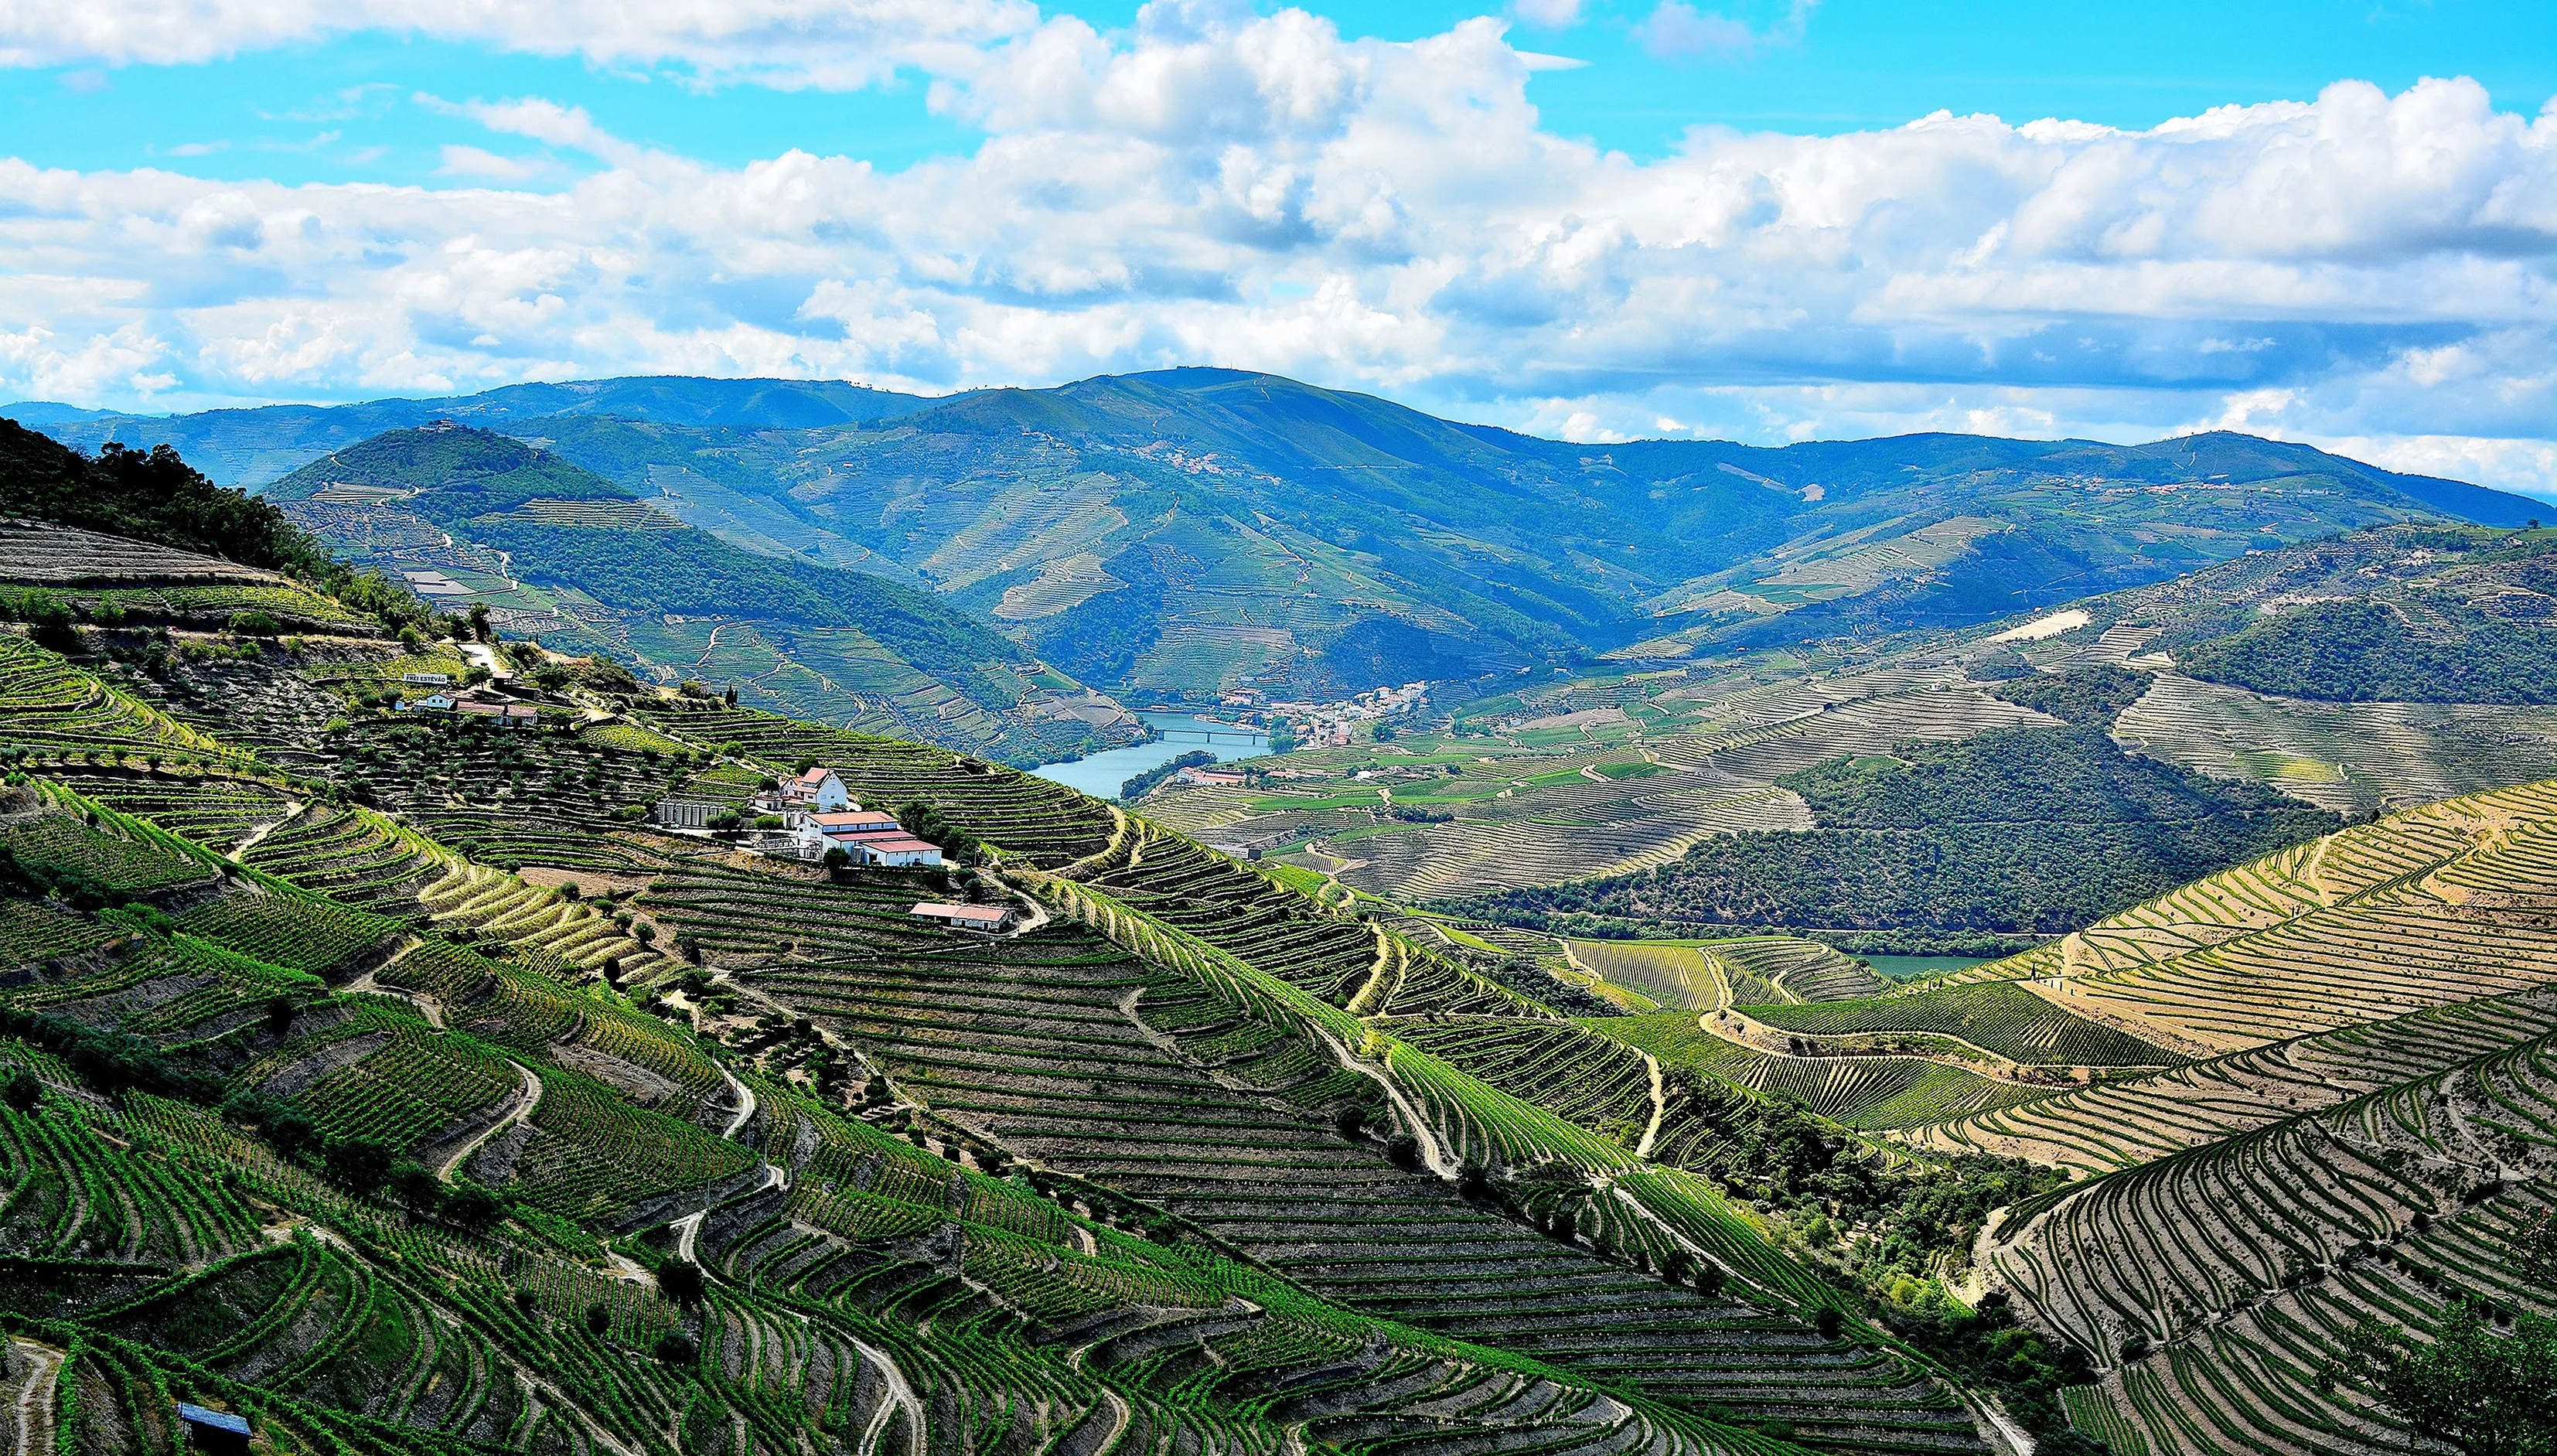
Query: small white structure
x=675 y=813
x=982 y=919
x=431 y=703
x=502 y=715
x=899 y=851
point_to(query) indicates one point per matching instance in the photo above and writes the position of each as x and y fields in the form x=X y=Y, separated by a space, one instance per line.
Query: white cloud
x=1676 y=28
x=832 y=44
x=1550 y=14
x=1260 y=191
x=461 y=160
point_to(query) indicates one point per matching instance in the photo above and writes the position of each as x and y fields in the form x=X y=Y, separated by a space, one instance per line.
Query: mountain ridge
x=1193 y=533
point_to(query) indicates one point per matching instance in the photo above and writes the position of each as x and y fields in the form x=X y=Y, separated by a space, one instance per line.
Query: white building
x=983 y=919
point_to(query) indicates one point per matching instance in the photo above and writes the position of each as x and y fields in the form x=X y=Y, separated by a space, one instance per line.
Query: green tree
x=2488 y=1395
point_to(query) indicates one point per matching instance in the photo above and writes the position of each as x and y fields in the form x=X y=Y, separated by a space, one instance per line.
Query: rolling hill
x=1749 y=767
x=378 y=1080
x=1198 y=530
x=470 y=518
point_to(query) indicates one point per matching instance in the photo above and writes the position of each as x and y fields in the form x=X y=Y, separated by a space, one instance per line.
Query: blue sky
x=1762 y=219
x=343 y=109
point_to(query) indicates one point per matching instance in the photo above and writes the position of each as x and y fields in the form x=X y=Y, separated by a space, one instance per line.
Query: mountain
x=376 y=1081
x=561 y=554
x=1198 y=531
x=253 y=446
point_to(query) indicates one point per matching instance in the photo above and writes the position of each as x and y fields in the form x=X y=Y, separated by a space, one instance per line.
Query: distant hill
x=252 y=447
x=1194 y=531
x=559 y=553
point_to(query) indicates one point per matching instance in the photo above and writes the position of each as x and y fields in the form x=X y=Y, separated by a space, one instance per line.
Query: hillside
x=1596 y=781
x=2016 y=830
x=476 y=519
x=1180 y=533
x=388 y=1080
x=646 y=1143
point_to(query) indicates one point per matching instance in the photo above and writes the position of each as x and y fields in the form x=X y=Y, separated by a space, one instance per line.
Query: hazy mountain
x=252 y=447
x=1195 y=530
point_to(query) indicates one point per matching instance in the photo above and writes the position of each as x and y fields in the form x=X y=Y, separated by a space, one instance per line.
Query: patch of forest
x=2020 y=830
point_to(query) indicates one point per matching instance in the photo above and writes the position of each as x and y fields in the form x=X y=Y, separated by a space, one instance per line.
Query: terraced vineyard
x=389 y=1085
x=2000 y=1018
x=1097 y=1191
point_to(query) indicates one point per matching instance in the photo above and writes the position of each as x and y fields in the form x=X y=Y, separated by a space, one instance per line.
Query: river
x=1101 y=774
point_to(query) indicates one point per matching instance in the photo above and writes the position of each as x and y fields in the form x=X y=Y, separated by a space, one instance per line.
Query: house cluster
x=499 y=712
x=1329 y=725
x=1214 y=778
x=819 y=814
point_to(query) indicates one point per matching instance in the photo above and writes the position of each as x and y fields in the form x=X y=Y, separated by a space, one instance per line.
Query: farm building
x=431 y=703
x=898 y=852
x=213 y=1432
x=1214 y=778
x=818 y=791
x=501 y=714
x=984 y=919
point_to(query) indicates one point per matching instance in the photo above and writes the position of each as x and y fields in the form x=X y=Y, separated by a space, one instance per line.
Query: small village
x=1325 y=724
x=813 y=817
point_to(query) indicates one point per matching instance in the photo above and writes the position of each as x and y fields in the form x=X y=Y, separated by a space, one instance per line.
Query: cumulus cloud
x=1219 y=186
x=832 y=44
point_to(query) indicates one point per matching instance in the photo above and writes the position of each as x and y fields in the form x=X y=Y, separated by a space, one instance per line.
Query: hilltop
x=551 y=550
x=1182 y=532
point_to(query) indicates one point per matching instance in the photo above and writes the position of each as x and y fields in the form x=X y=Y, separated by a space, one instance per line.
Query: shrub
x=680 y=1279
x=359 y=1163
x=598 y=1319
x=1350 y=1122
x=1402 y=1150
x=23 y=1091
x=1828 y=1322
x=253 y=625
x=676 y=1348
x=416 y=1185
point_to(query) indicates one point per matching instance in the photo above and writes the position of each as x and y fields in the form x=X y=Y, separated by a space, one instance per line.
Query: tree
x=479 y=622
x=416 y=1185
x=473 y=1208
x=359 y=1163
x=2488 y=1395
x=680 y=1279
x=1350 y=1122
x=676 y=1348
x=1402 y=1150
x=24 y=1090
x=598 y=1320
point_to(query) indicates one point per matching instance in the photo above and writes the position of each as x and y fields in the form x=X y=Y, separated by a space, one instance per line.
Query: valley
x=428 y=1034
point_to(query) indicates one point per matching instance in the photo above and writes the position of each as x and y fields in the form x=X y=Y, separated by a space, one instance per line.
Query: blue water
x=1101 y=774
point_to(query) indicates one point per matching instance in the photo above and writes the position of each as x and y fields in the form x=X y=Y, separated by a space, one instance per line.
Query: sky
x=1761 y=220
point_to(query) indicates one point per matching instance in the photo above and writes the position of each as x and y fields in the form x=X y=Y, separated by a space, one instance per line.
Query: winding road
x=35 y=1404
x=900 y=1395
x=526 y=1099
